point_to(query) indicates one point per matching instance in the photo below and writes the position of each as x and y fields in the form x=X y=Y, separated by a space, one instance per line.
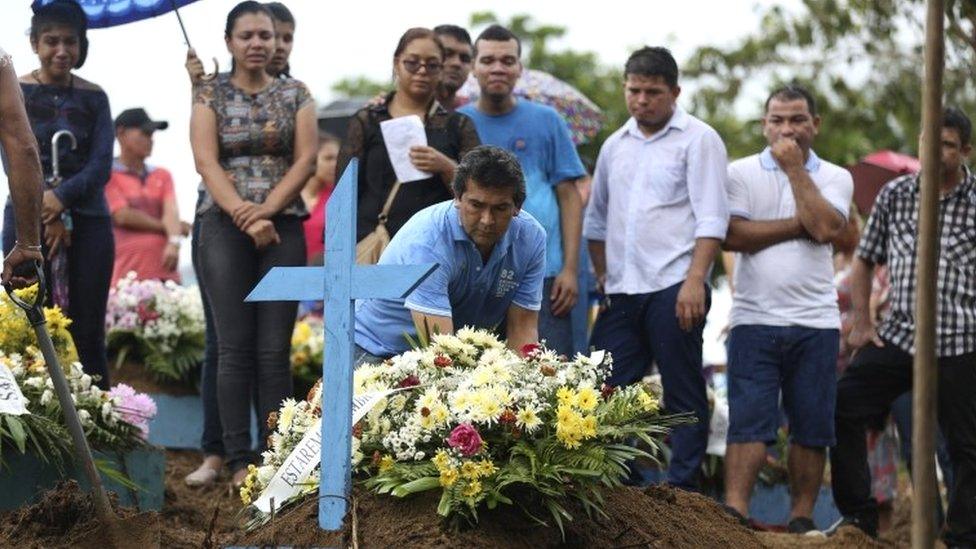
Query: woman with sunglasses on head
x=77 y=229
x=417 y=63
x=254 y=143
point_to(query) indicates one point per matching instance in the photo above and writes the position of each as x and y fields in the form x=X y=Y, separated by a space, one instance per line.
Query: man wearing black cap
x=142 y=200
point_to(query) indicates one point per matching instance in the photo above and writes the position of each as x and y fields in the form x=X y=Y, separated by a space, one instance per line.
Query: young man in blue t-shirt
x=539 y=137
x=490 y=260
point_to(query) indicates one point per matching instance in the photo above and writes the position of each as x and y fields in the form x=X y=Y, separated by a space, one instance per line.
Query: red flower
x=530 y=349
x=442 y=361
x=409 y=381
x=607 y=391
x=146 y=314
x=507 y=416
x=425 y=411
x=466 y=439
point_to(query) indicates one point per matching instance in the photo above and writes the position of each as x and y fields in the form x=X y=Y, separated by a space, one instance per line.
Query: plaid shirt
x=890 y=238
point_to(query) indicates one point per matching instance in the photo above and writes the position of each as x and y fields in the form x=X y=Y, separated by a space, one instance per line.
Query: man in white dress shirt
x=655 y=221
x=787 y=205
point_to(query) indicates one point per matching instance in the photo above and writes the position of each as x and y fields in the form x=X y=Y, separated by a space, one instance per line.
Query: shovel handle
x=35 y=310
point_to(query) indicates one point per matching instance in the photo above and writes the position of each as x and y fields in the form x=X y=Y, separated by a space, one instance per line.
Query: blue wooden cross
x=344 y=282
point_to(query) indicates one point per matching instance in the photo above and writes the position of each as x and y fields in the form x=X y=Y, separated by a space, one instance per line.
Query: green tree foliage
x=360 y=86
x=861 y=58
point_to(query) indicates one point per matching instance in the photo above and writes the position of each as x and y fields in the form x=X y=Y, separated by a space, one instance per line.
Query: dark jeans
x=875 y=378
x=557 y=331
x=253 y=339
x=212 y=440
x=901 y=414
x=90 y=260
x=643 y=328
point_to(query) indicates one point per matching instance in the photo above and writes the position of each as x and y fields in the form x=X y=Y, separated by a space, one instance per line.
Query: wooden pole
x=926 y=365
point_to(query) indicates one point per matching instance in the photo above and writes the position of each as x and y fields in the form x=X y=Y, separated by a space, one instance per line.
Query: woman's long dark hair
x=244 y=8
x=62 y=13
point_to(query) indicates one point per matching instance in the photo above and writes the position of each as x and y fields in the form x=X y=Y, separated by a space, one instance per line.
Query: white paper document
x=400 y=134
x=12 y=401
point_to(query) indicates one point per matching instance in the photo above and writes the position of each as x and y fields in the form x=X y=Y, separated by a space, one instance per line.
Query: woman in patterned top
x=417 y=63
x=84 y=249
x=254 y=143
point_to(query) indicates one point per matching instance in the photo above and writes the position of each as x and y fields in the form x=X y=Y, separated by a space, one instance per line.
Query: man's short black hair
x=656 y=61
x=793 y=92
x=454 y=31
x=497 y=33
x=953 y=117
x=493 y=168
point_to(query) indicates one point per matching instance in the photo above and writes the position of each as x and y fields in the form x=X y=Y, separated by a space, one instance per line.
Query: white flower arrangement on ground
x=483 y=425
x=113 y=420
x=160 y=323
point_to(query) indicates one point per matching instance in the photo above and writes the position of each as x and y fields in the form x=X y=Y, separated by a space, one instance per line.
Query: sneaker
x=868 y=527
x=204 y=475
x=805 y=526
x=739 y=517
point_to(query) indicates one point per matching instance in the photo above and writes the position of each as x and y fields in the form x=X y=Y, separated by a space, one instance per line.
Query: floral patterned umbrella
x=583 y=116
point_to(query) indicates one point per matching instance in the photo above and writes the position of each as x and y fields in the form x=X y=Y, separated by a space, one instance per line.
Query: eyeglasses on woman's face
x=413 y=66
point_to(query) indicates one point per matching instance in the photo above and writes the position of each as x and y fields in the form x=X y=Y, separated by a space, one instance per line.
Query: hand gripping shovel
x=35 y=315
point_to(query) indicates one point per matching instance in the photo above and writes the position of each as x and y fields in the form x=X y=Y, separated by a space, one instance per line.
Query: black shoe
x=868 y=527
x=802 y=525
x=737 y=516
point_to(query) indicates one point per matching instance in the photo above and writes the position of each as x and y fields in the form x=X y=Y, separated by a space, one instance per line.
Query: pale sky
x=141 y=64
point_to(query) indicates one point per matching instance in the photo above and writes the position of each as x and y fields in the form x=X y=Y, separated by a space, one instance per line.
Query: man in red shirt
x=141 y=198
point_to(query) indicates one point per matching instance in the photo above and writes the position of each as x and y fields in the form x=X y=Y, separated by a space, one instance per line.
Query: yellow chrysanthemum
x=470 y=470
x=564 y=413
x=487 y=468
x=587 y=399
x=386 y=463
x=589 y=426
x=528 y=419
x=472 y=489
x=647 y=402
x=565 y=395
x=440 y=413
x=441 y=460
x=449 y=477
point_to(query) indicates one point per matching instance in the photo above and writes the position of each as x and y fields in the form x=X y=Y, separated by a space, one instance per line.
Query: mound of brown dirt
x=655 y=517
x=847 y=537
x=65 y=517
x=197 y=517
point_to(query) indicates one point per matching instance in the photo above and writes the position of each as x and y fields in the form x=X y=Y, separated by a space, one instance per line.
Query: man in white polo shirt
x=786 y=205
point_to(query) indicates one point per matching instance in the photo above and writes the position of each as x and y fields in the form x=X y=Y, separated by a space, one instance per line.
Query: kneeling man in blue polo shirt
x=491 y=260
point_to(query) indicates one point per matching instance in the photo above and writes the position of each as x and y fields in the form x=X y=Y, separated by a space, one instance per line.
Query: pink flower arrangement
x=466 y=439
x=135 y=408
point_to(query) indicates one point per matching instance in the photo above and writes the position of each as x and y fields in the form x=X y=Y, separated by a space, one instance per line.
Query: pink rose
x=465 y=438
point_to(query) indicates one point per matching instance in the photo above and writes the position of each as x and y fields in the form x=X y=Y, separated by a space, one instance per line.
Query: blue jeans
x=801 y=363
x=643 y=328
x=211 y=442
x=90 y=260
x=557 y=331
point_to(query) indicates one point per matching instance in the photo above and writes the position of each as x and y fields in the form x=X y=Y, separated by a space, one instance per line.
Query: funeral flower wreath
x=482 y=426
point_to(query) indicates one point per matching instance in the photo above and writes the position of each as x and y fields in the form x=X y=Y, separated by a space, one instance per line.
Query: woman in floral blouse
x=254 y=142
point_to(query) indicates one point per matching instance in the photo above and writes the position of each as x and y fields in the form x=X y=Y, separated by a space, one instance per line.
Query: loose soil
x=654 y=517
x=210 y=517
x=65 y=517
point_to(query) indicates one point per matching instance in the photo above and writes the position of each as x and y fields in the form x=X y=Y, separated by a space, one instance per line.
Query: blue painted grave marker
x=344 y=282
